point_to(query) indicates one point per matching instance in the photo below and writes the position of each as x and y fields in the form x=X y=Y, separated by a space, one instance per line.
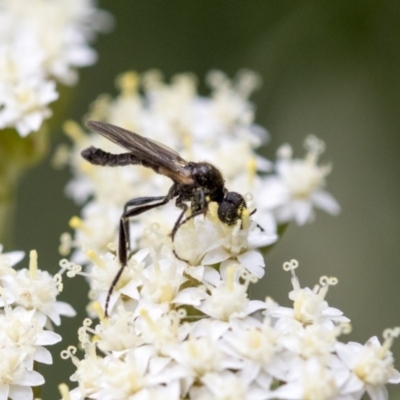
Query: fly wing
x=149 y=153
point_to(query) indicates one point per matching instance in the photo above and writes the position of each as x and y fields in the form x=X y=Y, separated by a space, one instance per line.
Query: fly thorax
x=208 y=178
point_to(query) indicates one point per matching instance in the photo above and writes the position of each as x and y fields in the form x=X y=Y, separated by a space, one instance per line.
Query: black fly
x=195 y=184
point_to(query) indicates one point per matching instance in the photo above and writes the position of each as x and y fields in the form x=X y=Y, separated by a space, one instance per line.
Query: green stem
x=7 y=208
x=16 y=155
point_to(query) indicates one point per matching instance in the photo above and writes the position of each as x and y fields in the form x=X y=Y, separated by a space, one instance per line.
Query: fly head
x=231 y=208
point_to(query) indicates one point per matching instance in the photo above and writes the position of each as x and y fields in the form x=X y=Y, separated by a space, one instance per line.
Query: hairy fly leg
x=134 y=203
x=124 y=228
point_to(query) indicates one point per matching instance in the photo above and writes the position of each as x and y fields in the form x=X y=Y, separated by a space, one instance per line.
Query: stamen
x=213 y=211
x=325 y=282
x=145 y=315
x=99 y=109
x=255 y=338
x=245 y=218
x=58 y=280
x=65 y=244
x=33 y=265
x=72 y=268
x=128 y=83
x=99 y=312
x=64 y=391
x=251 y=170
x=91 y=350
x=315 y=147
x=188 y=144
x=70 y=353
x=73 y=131
x=60 y=157
x=389 y=335
x=152 y=79
x=76 y=223
x=247 y=82
x=154 y=259
x=230 y=278
x=96 y=259
x=112 y=246
x=291 y=266
x=248 y=197
x=314 y=144
x=285 y=152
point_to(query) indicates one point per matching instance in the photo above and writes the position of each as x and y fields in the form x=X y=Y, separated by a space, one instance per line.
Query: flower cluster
x=177 y=330
x=42 y=42
x=219 y=129
x=28 y=306
x=178 y=322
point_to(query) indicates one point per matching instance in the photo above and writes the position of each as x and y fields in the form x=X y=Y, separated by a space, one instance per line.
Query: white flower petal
x=42 y=355
x=254 y=262
x=325 y=201
x=215 y=256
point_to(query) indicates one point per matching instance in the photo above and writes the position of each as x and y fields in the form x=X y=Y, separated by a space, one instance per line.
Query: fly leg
x=180 y=221
x=134 y=203
x=140 y=206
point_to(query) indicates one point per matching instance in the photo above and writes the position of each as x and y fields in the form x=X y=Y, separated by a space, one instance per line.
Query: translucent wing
x=148 y=153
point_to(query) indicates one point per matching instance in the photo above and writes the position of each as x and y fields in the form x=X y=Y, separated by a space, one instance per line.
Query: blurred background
x=329 y=68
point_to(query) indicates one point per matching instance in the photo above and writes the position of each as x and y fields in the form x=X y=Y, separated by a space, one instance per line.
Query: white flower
x=260 y=350
x=193 y=334
x=227 y=386
x=371 y=365
x=134 y=374
x=224 y=299
x=30 y=57
x=25 y=104
x=313 y=381
x=180 y=320
x=22 y=330
x=117 y=333
x=15 y=379
x=311 y=341
x=298 y=185
x=22 y=338
x=309 y=306
x=103 y=272
x=35 y=289
x=199 y=356
x=217 y=242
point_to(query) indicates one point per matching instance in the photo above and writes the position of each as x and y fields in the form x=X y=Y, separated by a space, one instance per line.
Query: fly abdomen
x=100 y=157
